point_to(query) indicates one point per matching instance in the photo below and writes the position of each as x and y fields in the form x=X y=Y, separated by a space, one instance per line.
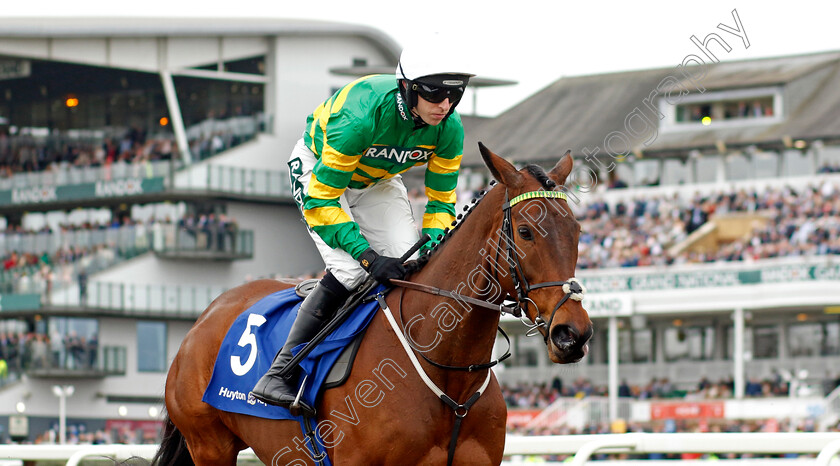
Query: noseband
x=572 y=288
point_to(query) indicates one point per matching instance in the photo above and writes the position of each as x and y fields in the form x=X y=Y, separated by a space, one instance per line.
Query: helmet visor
x=437 y=95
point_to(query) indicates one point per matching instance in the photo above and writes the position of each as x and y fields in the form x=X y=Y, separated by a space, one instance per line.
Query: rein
x=471 y=367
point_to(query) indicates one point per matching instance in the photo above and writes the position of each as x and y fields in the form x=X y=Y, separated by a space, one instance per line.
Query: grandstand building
x=163 y=143
x=142 y=173
x=695 y=283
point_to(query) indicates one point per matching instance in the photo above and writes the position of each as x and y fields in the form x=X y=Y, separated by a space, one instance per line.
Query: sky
x=532 y=42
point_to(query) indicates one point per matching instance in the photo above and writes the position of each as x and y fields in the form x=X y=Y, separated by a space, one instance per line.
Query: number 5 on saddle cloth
x=254 y=337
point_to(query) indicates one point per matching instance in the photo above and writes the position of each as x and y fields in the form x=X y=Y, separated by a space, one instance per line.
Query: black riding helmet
x=430 y=78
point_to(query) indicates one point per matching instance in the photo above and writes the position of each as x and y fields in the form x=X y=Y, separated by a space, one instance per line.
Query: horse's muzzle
x=569 y=344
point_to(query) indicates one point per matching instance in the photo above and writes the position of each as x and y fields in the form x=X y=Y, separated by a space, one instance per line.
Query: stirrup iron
x=301 y=409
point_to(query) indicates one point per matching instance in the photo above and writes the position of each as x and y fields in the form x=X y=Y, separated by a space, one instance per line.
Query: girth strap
x=309 y=432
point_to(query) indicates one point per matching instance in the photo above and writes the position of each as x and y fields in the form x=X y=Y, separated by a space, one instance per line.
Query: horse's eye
x=525 y=233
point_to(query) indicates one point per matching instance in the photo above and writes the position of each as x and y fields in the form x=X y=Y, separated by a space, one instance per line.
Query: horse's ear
x=500 y=168
x=560 y=171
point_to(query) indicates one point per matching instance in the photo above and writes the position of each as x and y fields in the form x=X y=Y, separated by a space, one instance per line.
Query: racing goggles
x=437 y=95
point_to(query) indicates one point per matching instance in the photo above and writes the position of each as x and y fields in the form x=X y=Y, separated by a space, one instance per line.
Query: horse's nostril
x=587 y=335
x=563 y=336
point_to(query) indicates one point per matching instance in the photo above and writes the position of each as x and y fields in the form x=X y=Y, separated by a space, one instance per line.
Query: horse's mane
x=537 y=172
x=534 y=170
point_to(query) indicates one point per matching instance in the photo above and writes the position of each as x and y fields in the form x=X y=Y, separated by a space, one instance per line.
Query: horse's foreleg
x=213 y=445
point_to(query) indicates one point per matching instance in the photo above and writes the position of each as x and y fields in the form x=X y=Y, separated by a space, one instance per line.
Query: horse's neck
x=464 y=264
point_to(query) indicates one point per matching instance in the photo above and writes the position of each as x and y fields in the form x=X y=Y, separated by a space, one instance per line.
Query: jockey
x=345 y=175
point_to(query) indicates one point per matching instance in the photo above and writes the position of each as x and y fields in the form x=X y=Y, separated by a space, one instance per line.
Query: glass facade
x=73 y=342
x=814 y=339
x=151 y=347
x=90 y=115
x=735 y=109
x=635 y=345
x=689 y=343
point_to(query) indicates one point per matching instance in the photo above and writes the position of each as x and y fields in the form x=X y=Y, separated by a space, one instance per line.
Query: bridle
x=572 y=288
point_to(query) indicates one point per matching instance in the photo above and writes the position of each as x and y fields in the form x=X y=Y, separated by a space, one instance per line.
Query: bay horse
x=519 y=241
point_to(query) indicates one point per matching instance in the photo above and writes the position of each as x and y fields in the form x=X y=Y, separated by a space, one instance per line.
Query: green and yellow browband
x=534 y=195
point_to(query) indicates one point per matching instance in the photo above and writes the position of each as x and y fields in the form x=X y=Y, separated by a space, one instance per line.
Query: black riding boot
x=314 y=313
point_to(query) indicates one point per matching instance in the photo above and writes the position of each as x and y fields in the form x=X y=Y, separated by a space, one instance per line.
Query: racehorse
x=518 y=242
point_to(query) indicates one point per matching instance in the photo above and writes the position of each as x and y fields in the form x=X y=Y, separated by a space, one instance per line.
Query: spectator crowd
x=39 y=261
x=528 y=395
x=639 y=233
x=28 y=153
x=642 y=231
x=53 y=152
x=23 y=351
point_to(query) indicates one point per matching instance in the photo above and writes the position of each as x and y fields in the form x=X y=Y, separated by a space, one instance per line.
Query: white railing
x=580 y=412
x=70 y=175
x=75 y=454
x=825 y=445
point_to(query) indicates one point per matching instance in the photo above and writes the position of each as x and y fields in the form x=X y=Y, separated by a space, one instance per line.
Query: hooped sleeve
x=339 y=135
x=442 y=179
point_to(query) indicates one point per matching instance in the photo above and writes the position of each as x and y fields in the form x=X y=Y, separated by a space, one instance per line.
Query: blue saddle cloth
x=252 y=342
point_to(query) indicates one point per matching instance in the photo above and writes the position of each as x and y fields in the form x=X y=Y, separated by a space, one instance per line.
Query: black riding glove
x=382 y=268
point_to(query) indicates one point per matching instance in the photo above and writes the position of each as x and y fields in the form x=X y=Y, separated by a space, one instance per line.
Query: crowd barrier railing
x=824 y=445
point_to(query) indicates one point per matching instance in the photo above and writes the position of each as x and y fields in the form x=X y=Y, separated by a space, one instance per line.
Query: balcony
x=89 y=361
x=157 y=181
x=179 y=302
x=212 y=243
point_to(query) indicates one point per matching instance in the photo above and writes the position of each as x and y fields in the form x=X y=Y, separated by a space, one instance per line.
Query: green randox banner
x=712 y=278
x=20 y=302
x=72 y=192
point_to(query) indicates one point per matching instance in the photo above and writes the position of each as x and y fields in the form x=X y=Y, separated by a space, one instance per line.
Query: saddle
x=341 y=369
x=253 y=339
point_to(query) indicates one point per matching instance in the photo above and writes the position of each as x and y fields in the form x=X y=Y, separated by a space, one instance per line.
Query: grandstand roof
x=579 y=112
x=89 y=27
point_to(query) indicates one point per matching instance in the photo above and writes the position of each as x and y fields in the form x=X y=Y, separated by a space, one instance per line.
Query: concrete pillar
x=720 y=172
x=661 y=171
x=176 y=120
x=780 y=167
x=738 y=353
x=613 y=368
x=270 y=91
x=175 y=115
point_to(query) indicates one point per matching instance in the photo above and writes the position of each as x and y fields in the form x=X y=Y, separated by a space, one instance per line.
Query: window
x=831 y=339
x=728 y=107
x=73 y=342
x=726 y=110
x=765 y=342
x=635 y=346
x=151 y=346
x=815 y=339
x=524 y=352
x=761 y=342
x=689 y=343
x=805 y=339
x=643 y=345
